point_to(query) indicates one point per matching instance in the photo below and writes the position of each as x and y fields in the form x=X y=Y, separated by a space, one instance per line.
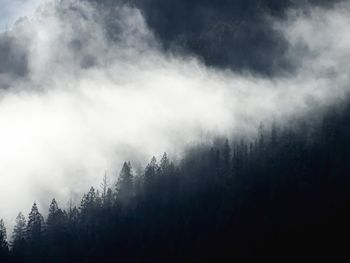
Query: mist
x=75 y=103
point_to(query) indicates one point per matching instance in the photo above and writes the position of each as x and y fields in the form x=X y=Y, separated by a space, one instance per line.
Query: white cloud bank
x=88 y=103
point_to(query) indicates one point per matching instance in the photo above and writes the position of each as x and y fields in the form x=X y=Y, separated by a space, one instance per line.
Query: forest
x=282 y=196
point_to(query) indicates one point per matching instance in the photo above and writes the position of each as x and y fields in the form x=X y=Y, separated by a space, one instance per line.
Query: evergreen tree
x=124 y=186
x=19 y=231
x=73 y=218
x=88 y=202
x=150 y=175
x=104 y=187
x=98 y=200
x=18 y=244
x=3 y=240
x=108 y=201
x=56 y=217
x=35 y=225
x=164 y=165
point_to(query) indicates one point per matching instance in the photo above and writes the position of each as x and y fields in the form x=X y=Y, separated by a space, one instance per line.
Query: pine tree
x=108 y=202
x=98 y=200
x=52 y=212
x=3 y=239
x=124 y=186
x=56 y=217
x=19 y=231
x=73 y=216
x=150 y=174
x=88 y=203
x=164 y=164
x=104 y=187
x=35 y=225
x=18 y=244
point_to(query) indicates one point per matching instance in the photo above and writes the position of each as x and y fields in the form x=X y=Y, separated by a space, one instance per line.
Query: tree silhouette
x=4 y=250
x=124 y=186
x=18 y=244
x=35 y=225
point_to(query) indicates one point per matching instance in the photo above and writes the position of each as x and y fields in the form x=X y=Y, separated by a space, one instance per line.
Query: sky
x=11 y=10
x=86 y=85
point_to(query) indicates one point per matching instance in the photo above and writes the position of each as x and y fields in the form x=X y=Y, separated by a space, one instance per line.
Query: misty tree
x=150 y=174
x=88 y=202
x=104 y=187
x=124 y=185
x=3 y=234
x=56 y=217
x=19 y=230
x=108 y=200
x=3 y=240
x=99 y=200
x=164 y=165
x=73 y=217
x=35 y=225
x=18 y=245
x=151 y=169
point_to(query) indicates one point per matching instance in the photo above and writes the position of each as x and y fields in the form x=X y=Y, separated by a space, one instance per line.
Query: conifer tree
x=19 y=231
x=56 y=217
x=18 y=245
x=108 y=201
x=150 y=174
x=88 y=202
x=35 y=225
x=104 y=187
x=3 y=239
x=124 y=186
x=164 y=165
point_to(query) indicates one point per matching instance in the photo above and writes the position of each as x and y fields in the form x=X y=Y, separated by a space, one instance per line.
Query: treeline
x=282 y=196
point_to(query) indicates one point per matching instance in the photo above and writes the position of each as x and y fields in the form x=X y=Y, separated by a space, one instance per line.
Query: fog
x=75 y=103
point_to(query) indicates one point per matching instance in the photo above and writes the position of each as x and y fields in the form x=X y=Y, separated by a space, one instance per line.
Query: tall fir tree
x=18 y=245
x=124 y=186
x=88 y=202
x=3 y=240
x=56 y=217
x=150 y=174
x=164 y=165
x=35 y=225
x=19 y=231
